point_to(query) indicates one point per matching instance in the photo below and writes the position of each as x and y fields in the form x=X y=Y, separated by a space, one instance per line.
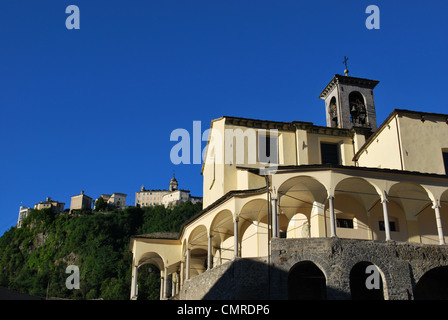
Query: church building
x=170 y=197
x=292 y=210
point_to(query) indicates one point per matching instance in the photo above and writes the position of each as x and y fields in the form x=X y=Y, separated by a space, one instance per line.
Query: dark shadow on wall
x=433 y=285
x=253 y=279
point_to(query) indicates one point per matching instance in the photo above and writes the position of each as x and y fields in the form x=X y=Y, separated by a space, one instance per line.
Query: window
x=392 y=225
x=445 y=161
x=344 y=223
x=329 y=153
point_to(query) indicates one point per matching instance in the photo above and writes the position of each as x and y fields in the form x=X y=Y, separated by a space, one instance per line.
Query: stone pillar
x=332 y=217
x=162 y=282
x=181 y=282
x=275 y=227
x=436 y=207
x=173 y=284
x=209 y=252
x=187 y=271
x=235 y=236
x=134 y=289
x=386 y=219
x=165 y=285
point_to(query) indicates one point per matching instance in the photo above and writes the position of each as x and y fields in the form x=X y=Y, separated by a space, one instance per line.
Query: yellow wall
x=384 y=150
x=413 y=145
x=422 y=143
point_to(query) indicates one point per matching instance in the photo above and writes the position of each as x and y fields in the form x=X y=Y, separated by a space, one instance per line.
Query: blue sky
x=92 y=109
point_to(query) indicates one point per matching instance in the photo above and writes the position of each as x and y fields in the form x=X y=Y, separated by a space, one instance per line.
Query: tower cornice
x=340 y=79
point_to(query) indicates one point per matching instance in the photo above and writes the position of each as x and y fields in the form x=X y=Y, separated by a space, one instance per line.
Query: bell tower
x=349 y=102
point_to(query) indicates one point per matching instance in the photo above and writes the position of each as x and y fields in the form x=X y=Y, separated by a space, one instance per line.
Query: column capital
x=436 y=204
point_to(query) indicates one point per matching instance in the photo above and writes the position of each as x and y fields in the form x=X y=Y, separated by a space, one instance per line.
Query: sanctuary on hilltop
x=292 y=210
x=170 y=197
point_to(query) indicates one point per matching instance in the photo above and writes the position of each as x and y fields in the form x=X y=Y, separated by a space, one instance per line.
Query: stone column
x=332 y=217
x=173 y=284
x=162 y=282
x=209 y=252
x=386 y=219
x=187 y=271
x=436 y=207
x=235 y=236
x=165 y=285
x=181 y=282
x=134 y=283
x=275 y=227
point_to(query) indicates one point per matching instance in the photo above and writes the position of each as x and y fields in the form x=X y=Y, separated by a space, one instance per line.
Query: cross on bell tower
x=346 y=68
x=349 y=101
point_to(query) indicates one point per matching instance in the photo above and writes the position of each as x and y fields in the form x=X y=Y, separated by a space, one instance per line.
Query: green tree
x=34 y=257
x=100 y=204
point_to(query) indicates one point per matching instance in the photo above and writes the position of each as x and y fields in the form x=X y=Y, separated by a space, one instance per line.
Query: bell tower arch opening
x=358 y=111
x=349 y=102
x=333 y=110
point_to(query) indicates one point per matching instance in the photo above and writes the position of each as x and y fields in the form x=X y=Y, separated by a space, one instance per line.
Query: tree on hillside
x=100 y=204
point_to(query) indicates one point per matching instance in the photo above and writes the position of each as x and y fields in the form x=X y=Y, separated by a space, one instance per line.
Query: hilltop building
x=115 y=200
x=54 y=205
x=292 y=210
x=81 y=202
x=23 y=213
x=172 y=196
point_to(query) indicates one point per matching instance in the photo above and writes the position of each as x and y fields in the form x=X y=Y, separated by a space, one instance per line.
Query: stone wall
x=401 y=265
x=241 y=278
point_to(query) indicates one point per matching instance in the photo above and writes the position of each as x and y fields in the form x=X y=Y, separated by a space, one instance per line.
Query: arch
x=221 y=231
x=305 y=195
x=366 y=282
x=198 y=245
x=412 y=197
x=148 y=279
x=306 y=281
x=364 y=191
x=198 y=238
x=333 y=112
x=433 y=285
x=415 y=200
x=444 y=197
x=300 y=191
x=152 y=258
x=299 y=226
x=358 y=111
x=253 y=228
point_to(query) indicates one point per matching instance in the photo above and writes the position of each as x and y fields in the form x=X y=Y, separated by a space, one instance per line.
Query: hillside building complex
x=172 y=196
x=54 y=205
x=115 y=200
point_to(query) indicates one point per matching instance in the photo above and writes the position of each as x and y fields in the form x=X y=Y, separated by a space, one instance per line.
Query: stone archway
x=433 y=285
x=306 y=282
x=366 y=282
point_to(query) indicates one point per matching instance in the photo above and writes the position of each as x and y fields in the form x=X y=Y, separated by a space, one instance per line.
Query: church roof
x=420 y=114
